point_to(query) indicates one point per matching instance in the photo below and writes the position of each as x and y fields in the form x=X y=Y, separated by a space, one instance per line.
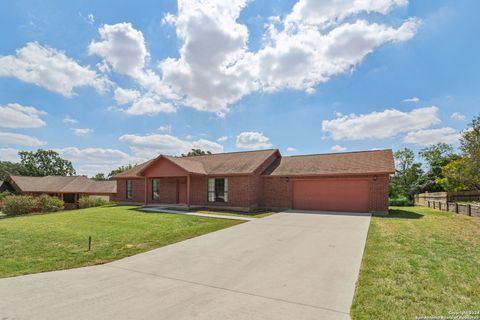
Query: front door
x=182 y=192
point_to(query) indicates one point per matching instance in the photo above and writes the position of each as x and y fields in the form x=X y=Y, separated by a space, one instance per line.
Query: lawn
x=56 y=241
x=419 y=262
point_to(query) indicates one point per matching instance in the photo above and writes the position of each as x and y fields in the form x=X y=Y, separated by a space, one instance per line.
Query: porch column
x=146 y=190
x=188 y=191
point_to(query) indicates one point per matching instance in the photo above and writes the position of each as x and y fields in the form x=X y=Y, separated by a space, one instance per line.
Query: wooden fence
x=461 y=208
x=459 y=196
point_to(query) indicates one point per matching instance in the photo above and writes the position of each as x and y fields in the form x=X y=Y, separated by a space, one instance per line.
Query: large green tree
x=196 y=152
x=464 y=174
x=436 y=157
x=120 y=170
x=405 y=181
x=99 y=177
x=9 y=168
x=44 y=163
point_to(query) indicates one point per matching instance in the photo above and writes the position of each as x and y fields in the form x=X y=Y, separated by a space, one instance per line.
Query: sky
x=108 y=83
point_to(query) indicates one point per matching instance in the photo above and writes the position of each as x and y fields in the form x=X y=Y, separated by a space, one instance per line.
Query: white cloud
x=124 y=96
x=321 y=13
x=90 y=18
x=151 y=145
x=10 y=138
x=166 y=128
x=457 y=116
x=380 y=125
x=124 y=51
x=14 y=115
x=122 y=47
x=223 y=139
x=89 y=161
x=412 y=99
x=291 y=149
x=253 y=140
x=9 y=154
x=432 y=136
x=68 y=120
x=82 y=132
x=216 y=69
x=337 y=148
x=51 y=69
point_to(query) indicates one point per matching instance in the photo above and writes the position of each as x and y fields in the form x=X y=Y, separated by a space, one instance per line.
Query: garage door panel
x=331 y=195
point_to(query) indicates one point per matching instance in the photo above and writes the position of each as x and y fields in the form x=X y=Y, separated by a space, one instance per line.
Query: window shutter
x=225 y=189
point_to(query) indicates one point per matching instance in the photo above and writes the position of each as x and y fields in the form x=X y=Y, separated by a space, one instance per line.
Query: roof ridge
x=330 y=153
x=221 y=153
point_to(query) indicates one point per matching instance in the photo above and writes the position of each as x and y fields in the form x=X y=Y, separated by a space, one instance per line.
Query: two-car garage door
x=343 y=195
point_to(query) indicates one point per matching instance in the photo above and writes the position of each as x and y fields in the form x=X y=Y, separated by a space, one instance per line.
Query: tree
x=9 y=168
x=120 y=170
x=196 y=152
x=453 y=178
x=436 y=157
x=44 y=163
x=406 y=178
x=99 y=177
x=470 y=146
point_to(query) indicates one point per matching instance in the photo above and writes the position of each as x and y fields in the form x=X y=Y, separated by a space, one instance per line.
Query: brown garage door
x=331 y=195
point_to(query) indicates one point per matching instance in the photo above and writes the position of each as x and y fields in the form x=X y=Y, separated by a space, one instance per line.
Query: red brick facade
x=246 y=192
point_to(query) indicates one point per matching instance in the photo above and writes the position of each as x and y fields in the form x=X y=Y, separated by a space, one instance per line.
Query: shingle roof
x=363 y=162
x=244 y=162
x=60 y=184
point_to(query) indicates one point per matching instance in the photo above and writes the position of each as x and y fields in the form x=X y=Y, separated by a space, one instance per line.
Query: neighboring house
x=5 y=186
x=69 y=188
x=252 y=180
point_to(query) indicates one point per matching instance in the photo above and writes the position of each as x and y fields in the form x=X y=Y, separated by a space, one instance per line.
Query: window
x=129 y=189
x=155 y=189
x=218 y=190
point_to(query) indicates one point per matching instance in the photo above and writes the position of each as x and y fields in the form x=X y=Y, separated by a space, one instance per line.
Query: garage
x=344 y=195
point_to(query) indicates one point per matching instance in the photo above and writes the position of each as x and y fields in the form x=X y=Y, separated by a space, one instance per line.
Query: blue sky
x=107 y=83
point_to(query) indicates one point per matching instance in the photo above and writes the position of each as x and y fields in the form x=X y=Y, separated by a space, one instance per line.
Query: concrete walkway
x=198 y=214
x=286 y=266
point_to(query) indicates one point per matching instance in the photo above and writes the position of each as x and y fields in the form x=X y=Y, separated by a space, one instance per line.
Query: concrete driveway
x=292 y=265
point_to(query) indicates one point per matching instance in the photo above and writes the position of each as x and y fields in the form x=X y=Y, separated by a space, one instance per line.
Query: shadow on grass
x=402 y=214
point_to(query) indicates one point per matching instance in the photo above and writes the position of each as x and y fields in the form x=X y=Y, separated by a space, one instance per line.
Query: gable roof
x=362 y=162
x=244 y=162
x=61 y=184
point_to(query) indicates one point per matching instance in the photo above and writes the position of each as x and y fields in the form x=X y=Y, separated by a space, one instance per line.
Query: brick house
x=67 y=188
x=252 y=180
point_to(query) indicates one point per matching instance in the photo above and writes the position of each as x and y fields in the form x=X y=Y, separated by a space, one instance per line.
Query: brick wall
x=168 y=190
x=138 y=191
x=276 y=193
x=378 y=198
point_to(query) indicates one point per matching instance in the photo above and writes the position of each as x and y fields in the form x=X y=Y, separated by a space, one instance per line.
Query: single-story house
x=252 y=180
x=69 y=188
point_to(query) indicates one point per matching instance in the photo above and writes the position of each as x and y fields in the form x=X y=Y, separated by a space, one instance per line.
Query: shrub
x=46 y=203
x=88 y=202
x=4 y=194
x=16 y=205
x=400 y=201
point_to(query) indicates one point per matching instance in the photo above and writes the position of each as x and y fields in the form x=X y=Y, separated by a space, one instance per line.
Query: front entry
x=181 y=192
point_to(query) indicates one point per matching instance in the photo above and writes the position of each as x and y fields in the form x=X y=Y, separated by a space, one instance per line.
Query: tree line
x=442 y=169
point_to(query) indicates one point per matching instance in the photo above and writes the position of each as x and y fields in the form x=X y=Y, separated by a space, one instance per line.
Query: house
x=252 y=180
x=69 y=188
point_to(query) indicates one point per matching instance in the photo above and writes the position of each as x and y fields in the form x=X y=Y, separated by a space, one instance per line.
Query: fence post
x=456 y=207
x=469 y=209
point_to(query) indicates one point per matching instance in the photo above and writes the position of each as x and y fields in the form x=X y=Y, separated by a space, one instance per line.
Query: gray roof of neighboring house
x=62 y=184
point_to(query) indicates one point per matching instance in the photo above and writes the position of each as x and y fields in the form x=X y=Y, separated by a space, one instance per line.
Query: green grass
x=239 y=214
x=54 y=241
x=419 y=262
